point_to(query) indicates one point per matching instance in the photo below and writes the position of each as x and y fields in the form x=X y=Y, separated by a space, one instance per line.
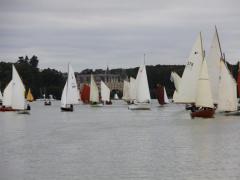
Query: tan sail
x=30 y=97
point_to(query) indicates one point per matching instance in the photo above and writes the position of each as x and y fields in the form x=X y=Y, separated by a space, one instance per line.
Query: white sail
x=70 y=94
x=126 y=91
x=132 y=89
x=204 y=93
x=175 y=78
x=227 y=99
x=116 y=96
x=7 y=95
x=142 y=88
x=18 y=91
x=166 y=100
x=188 y=85
x=1 y=97
x=64 y=96
x=105 y=92
x=213 y=63
x=94 y=94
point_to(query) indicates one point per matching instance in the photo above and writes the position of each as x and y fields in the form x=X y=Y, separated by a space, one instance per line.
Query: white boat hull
x=140 y=106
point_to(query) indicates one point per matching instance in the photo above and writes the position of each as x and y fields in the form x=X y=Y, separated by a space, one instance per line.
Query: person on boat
x=28 y=107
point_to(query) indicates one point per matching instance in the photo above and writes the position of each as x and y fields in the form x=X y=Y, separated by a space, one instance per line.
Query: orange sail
x=30 y=96
x=85 y=95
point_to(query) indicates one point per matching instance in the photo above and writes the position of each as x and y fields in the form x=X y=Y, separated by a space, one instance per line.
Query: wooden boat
x=143 y=99
x=85 y=94
x=204 y=113
x=70 y=94
x=13 y=95
x=94 y=94
x=29 y=96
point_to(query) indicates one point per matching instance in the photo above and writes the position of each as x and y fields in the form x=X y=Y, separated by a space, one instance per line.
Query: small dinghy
x=70 y=94
x=143 y=100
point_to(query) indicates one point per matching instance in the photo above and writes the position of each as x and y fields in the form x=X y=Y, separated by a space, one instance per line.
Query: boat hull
x=96 y=105
x=67 y=109
x=6 y=109
x=47 y=103
x=203 y=113
x=140 y=106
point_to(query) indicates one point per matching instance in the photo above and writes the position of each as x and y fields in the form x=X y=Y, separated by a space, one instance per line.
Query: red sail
x=85 y=95
x=160 y=94
x=238 y=80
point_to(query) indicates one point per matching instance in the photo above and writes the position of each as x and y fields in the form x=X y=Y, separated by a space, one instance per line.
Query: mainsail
x=227 y=100
x=29 y=96
x=7 y=95
x=132 y=89
x=213 y=63
x=105 y=92
x=85 y=95
x=188 y=85
x=142 y=88
x=94 y=94
x=204 y=93
x=126 y=91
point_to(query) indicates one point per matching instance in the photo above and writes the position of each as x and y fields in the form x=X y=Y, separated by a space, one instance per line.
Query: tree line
x=50 y=81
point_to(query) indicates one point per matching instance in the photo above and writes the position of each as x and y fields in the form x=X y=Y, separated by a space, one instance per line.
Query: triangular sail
x=166 y=100
x=160 y=94
x=175 y=78
x=64 y=96
x=227 y=90
x=105 y=92
x=142 y=88
x=1 y=97
x=29 y=96
x=204 y=93
x=188 y=85
x=126 y=91
x=94 y=94
x=85 y=95
x=213 y=63
x=7 y=95
x=18 y=91
x=132 y=89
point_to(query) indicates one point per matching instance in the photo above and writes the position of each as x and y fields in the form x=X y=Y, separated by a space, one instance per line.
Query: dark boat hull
x=203 y=113
x=47 y=103
x=68 y=109
x=6 y=109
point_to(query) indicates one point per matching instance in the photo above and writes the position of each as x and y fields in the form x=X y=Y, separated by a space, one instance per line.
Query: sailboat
x=116 y=96
x=30 y=96
x=105 y=94
x=85 y=95
x=13 y=95
x=94 y=93
x=185 y=94
x=126 y=91
x=143 y=100
x=204 y=100
x=227 y=99
x=161 y=95
x=70 y=95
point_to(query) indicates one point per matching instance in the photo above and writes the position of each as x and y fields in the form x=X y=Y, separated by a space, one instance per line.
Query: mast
x=219 y=42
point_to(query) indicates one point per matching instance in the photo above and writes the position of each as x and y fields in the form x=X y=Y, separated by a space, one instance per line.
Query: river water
x=112 y=143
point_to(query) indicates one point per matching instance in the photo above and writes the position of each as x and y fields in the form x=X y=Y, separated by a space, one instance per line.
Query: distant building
x=113 y=81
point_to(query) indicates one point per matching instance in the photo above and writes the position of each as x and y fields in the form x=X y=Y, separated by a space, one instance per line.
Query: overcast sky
x=97 y=33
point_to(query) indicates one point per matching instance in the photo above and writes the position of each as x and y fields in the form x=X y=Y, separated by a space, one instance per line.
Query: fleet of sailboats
x=206 y=86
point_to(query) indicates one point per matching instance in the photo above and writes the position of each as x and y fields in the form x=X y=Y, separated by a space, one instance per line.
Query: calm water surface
x=113 y=142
